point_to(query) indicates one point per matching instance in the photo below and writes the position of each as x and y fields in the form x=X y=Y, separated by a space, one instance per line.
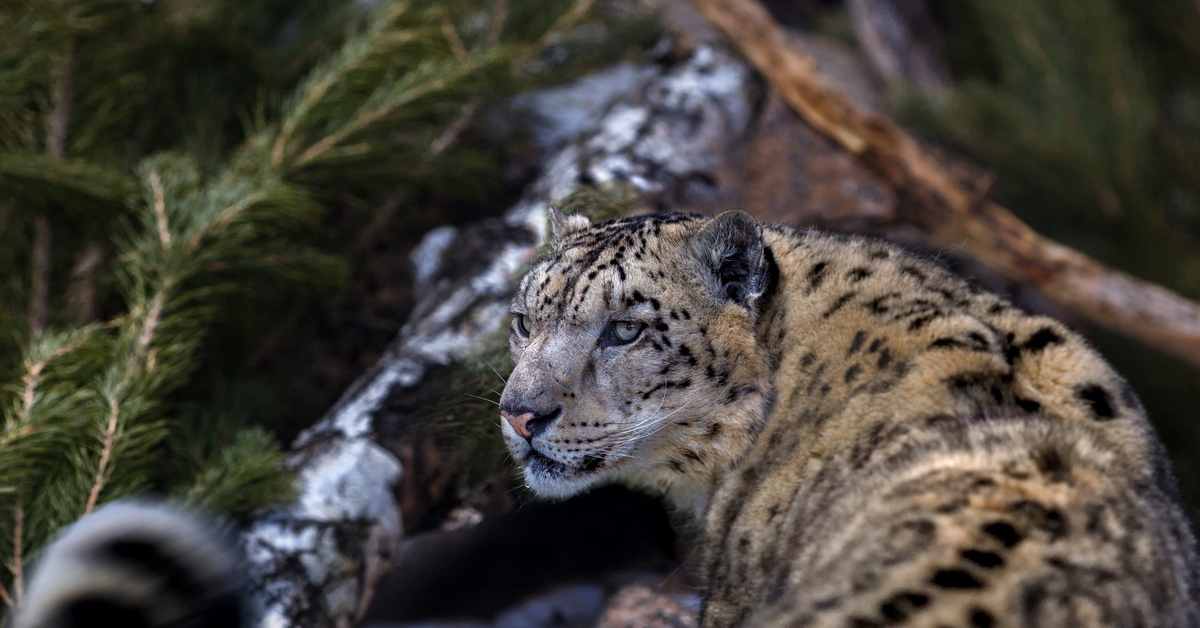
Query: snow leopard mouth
x=541 y=466
x=538 y=462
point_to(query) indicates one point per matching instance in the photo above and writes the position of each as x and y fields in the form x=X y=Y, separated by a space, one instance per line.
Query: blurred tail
x=136 y=564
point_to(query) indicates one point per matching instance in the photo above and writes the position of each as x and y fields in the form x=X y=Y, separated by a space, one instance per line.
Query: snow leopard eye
x=524 y=326
x=621 y=333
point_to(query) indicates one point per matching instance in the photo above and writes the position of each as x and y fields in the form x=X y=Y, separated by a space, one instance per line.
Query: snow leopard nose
x=527 y=424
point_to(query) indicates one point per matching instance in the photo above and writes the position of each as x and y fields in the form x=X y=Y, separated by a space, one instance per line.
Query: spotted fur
x=867 y=439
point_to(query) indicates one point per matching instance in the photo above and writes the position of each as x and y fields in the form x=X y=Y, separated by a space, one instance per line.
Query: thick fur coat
x=865 y=438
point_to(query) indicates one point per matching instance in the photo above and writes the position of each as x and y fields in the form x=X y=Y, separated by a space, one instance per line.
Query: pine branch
x=33 y=373
x=391 y=102
x=68 y=184
x=455 y=42
x=110 y=435
x=372 y=115
x=453 y=130
x=37 y=430
x=578 y=11
x=311 y=97
x=154 y=344
x=18 y=566
x=160 y=208
x=498 y=16
x=242 y=477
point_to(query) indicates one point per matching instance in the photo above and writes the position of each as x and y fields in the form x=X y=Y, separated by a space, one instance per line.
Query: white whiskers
x=643 y=429
x=495 y=371
x=495 y=403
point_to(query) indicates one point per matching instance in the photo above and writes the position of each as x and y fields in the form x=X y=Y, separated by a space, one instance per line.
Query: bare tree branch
x=110 y=437
x=56 y=146
x=160 y=209
x=952 y=213
x=498 y=17
x=18 y=566
x=60 y=114
x=40 y=280
x=82 y=292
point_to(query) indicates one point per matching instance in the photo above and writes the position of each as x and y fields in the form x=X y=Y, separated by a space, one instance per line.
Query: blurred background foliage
x=1089 y=110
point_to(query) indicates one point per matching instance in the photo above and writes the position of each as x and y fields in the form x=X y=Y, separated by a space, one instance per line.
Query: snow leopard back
x=867 y=439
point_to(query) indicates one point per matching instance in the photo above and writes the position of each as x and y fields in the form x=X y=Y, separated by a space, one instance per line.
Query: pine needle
x=137 y=155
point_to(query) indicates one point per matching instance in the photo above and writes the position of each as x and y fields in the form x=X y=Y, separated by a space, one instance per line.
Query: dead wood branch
x=82 y=292
x=950 y=212
x=40 y=279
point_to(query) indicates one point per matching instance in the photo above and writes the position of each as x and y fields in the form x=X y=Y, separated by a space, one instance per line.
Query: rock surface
x=643 y=606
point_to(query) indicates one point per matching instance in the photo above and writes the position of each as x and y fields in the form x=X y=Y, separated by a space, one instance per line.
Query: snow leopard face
x=635 y=352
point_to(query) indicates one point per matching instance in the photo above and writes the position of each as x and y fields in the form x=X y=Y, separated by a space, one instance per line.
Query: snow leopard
x=137 y=564
x=862 y=437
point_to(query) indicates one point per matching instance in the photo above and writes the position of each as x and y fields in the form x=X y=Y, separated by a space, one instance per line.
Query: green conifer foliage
x=166 y=163
x=1087 y=108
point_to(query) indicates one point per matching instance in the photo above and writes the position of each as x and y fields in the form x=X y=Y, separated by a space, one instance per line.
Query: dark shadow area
x=476 y=572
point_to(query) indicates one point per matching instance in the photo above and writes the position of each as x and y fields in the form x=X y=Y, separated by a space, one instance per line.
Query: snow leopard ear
x=733 y=250
x=564 y=225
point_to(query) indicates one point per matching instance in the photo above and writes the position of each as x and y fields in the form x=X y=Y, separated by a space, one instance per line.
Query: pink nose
x=518 y=422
